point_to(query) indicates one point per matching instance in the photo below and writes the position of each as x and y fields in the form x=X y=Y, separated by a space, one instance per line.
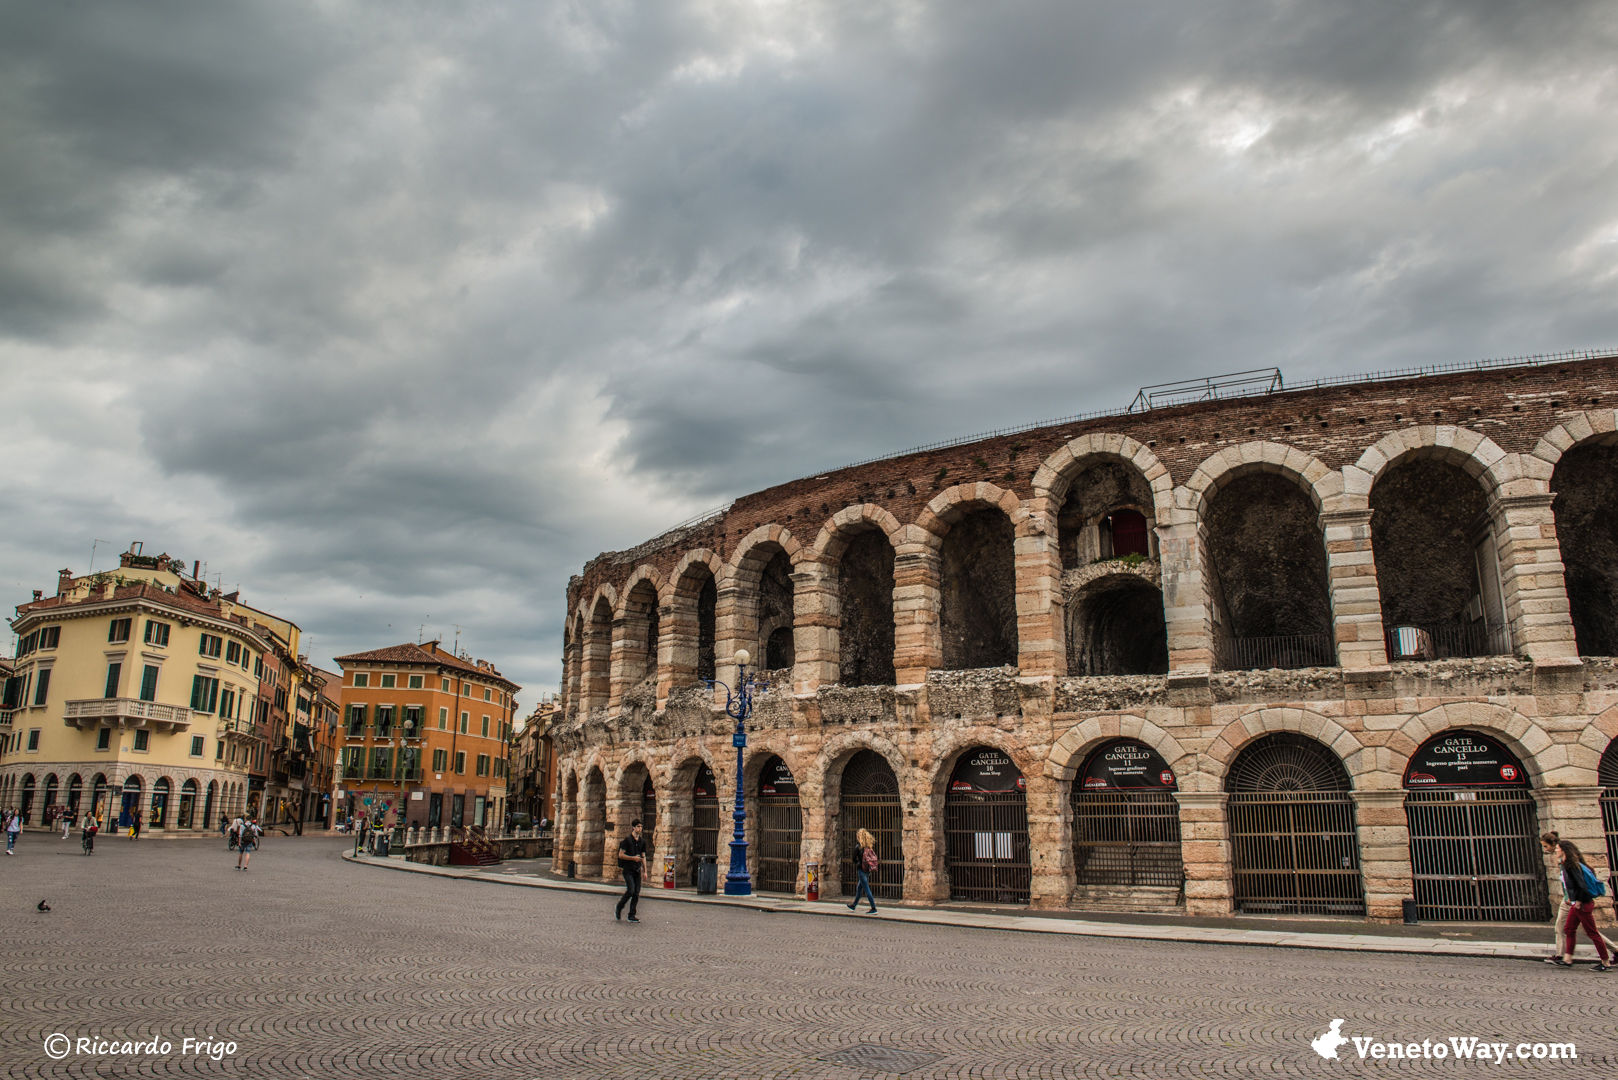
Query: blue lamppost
x=739 y=705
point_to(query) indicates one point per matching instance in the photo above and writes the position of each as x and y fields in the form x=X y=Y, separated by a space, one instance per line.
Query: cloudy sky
x=394 y=314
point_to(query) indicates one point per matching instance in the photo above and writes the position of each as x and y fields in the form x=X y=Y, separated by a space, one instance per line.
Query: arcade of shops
x=1282 y=811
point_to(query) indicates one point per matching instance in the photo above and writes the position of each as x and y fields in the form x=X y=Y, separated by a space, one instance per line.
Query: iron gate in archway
x=704 y=820
x=1126 y=822
x=1474 y=832
x=986 y=829
x=1609 y=811
x=870 y=800
x=780 y=828
x=648 y=823
x=1294 y=847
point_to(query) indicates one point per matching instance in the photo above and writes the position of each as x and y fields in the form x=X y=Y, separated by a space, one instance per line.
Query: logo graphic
x=1326 y=1045
x=1508 y=772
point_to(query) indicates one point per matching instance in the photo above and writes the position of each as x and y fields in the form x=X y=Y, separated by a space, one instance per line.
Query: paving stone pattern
x=322 y=969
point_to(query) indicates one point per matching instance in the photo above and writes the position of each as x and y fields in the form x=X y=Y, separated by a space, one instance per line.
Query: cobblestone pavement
x=316 y=968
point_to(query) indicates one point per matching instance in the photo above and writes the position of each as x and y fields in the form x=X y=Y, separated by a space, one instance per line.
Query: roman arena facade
x=1339 y=650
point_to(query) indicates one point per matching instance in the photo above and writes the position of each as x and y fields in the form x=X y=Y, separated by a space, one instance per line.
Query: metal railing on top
x=1278 y=651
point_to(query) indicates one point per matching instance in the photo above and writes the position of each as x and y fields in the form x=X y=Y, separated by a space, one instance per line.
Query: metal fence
x=1446 y=641
x=1475 y=855
x=704 y=831
x=1609 y=822
x=1127 y=838
x=986 y=846
x=1295 y=853
x=1281 y=651
x=881 y=815
x=780 y=838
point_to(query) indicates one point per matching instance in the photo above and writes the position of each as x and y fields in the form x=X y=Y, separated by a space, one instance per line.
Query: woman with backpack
x=1549 y=842
x=865 y=864
x=1581 y=886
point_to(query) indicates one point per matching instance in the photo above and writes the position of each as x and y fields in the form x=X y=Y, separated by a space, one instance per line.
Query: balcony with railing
x=1286 y=651
x=1447 y=641
x=126 y=712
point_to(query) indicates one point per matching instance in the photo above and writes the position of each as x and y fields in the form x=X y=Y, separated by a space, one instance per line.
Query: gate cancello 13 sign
x=1464 y=759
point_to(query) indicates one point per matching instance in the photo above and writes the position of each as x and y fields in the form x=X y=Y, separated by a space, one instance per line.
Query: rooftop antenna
x=95 y=544
x=457 y=638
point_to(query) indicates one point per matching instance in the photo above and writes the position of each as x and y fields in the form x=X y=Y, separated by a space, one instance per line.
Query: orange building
x=424 y=732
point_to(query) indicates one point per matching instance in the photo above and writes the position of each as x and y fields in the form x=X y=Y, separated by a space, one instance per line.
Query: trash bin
x=1408 y=909
x=708 y=874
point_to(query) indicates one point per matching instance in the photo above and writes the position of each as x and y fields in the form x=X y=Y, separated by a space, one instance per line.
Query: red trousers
x=1584 y=915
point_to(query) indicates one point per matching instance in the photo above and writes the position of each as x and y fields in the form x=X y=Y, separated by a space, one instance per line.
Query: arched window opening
x=1294 y=846
x=1116 y=627
x=1126 y=822
x=986 y=829
x=780 y=828
x=641 y=628
x=707 y=606
x=575 y=663
x=75 y=792
x=1101 y=515
x=1474 y=828
x=704 y=818
x=870 y=800
x=1435 y=563
x=160 y=803
x=130 y=802
x=1272 y=607
x=648 y=818
x=51 y=807
x=775 y=612
x=188 y=804
x=979 y=619
x=27 y=806
x=865 y=635
x=598 y=656
x=1586 y=509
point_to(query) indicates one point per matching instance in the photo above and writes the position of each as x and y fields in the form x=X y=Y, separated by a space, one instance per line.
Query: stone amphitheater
x=1339 y=650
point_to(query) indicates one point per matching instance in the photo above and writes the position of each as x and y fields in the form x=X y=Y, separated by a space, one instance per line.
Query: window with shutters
x=118 y=631
x=204 y=693
x=211 y=645
x=157 y=633
x=114 y=670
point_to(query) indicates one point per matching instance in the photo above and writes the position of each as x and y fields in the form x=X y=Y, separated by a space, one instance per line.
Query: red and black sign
x=984 y=770
x=776 y=778
x=705 y=788
x=1464 y=759
x=1127 y=765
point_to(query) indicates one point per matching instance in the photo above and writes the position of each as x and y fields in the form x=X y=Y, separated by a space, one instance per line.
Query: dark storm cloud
x=395 y=314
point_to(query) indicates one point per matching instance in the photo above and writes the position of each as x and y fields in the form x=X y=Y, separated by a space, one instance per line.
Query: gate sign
x=1127 y=765
x=704 y=787
x=984 y=769
x=776 y=779
x=1464 y=759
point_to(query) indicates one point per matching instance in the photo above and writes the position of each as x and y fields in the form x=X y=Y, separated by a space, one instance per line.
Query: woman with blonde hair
x=865 y=864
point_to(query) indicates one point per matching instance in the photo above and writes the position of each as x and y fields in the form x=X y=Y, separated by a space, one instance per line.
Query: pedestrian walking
x=233 y=836
x=865 y=863
x=631 y=861
x=87 y=835
x=67 y=822
x=1581 y=887
x=13 y=827
x=134 y=825
x=1550 y=841
x=247 y=842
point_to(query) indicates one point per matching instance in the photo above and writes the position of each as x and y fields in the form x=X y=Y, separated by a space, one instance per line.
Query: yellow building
x=141 y=690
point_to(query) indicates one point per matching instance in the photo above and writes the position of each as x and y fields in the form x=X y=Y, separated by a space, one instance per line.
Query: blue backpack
x=1593 y=883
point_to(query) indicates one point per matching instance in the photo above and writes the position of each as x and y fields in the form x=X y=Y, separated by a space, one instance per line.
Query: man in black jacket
x=631 y=861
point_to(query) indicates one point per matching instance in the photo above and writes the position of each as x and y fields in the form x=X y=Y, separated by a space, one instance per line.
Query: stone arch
x=596 y=677
x=1053 y=476
x=954 y=503
x=591 y=852
x=1323 y=485
x=1367 y=766
x=759 y=596
x=1592 y=425
x=947 y=750
x=637 y=639
x=676 y=806
x=1585 y=755
x=850 y=520
x=826 y=771
x=1476 y=454
x=1539 y=755
x=850 y=600
x=691 y=596
x=1070 y=751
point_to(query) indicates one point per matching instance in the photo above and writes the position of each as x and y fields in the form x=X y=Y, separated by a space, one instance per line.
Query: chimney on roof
x=39 y=594
x=196 y=565
x=64 y=582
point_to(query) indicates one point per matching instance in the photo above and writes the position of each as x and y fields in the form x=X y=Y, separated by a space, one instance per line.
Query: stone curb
x=1188 y=935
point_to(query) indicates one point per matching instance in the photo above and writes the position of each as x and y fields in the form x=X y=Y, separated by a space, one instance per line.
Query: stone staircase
x=472 y=849
x=1129 y=899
